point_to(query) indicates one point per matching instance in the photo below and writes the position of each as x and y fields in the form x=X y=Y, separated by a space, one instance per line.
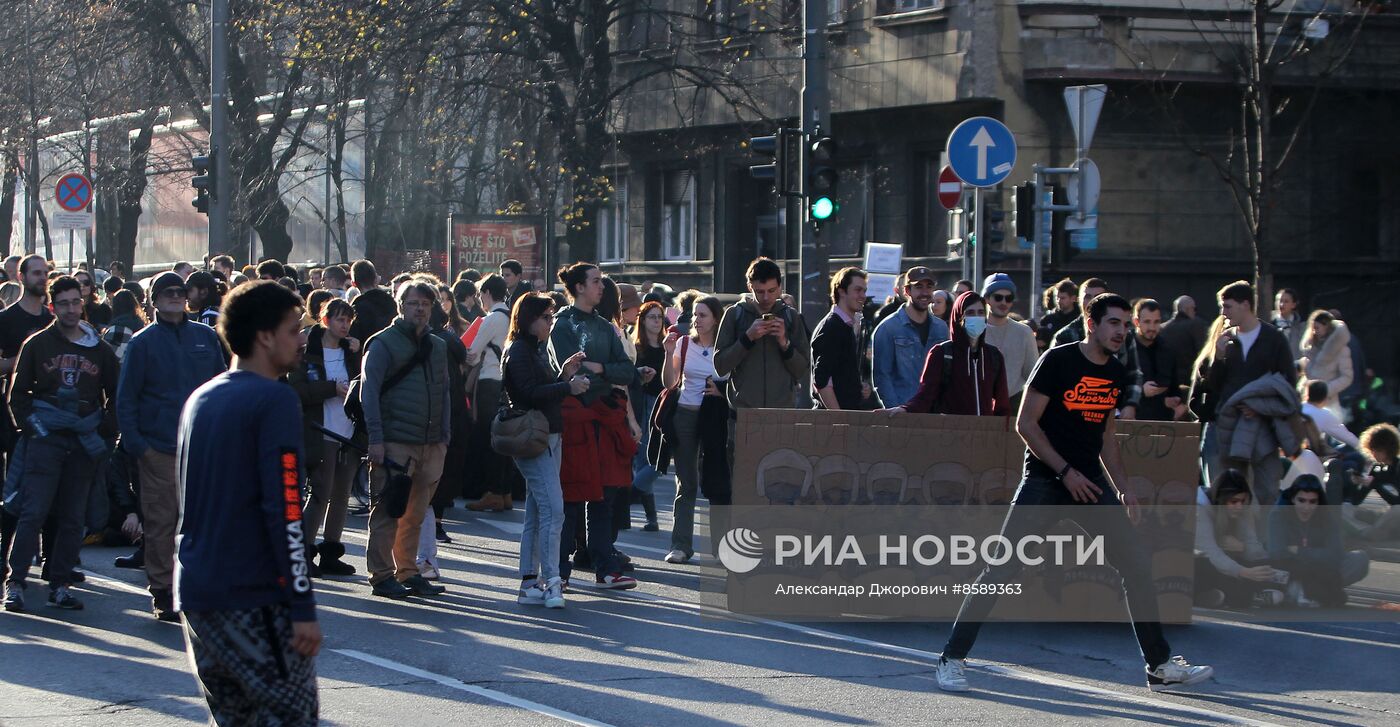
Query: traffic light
x=770 y=148
x=203 y=182
x=1061 y=250
x=1023 y=214
x=823 y=178
x=995 y=219
x=776 y=151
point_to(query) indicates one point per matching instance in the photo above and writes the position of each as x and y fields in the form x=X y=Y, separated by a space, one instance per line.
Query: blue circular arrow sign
x=982 y=151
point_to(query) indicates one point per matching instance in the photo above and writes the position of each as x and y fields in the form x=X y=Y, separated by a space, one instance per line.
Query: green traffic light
x=823 y=207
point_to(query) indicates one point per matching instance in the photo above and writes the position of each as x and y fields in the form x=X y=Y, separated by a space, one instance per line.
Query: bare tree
x=1280 y=59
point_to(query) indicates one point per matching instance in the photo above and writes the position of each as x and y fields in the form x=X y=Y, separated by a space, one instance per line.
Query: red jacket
x=597 y=448
x=977 y=386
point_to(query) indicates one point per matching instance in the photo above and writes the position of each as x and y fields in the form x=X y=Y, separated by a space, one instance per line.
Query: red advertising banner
x=485 y=243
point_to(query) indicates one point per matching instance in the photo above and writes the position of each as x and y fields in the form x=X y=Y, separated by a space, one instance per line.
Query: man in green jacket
x=407 y=405
x=762 y=346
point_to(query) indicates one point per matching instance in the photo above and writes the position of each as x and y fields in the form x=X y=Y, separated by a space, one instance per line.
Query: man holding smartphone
x=762 y=346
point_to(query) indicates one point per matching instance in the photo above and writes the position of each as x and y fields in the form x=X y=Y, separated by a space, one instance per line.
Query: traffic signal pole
x=816 y=112
x=222 y=193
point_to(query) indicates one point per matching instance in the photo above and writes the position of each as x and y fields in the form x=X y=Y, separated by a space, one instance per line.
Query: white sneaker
x=554 y=594
x=428 y=570
x=531 y=595
x=1176 y=672
x=952 y=675
x=677 y=556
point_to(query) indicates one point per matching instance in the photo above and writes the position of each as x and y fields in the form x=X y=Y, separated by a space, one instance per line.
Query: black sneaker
x=135 y=561
x=61 y=598
x=442 y=534
x=14 y=597
x=421 y=586
x=390 y=588
x=336 y=567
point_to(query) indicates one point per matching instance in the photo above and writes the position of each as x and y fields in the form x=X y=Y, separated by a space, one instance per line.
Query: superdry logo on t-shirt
x=1093 y=398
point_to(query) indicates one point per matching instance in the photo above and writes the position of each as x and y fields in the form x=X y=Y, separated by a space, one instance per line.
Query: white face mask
x=974 y=325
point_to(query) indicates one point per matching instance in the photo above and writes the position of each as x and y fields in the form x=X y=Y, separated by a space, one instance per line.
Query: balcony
x=1201 y=40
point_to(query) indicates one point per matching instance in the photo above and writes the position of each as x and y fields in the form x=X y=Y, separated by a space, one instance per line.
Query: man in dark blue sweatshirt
x=162 y=365
x=241 y=575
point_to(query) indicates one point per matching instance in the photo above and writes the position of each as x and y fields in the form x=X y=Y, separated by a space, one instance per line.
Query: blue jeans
x=1031 y=514
x=544 y=513
x=643 y=474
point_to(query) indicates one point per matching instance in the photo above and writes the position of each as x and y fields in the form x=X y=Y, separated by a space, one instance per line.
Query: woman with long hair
x=701 y=424
x=127 y=319
x=530 y=384
x=448 y=302
x=97 y=313
x=1231 y=563
x=649 y=339
x=1326 y=356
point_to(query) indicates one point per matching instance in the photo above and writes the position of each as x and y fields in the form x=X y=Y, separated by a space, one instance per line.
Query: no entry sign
x=73 y=192
x=950 y=189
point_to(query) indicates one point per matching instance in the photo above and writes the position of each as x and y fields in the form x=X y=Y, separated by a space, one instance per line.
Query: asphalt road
x=654 y=657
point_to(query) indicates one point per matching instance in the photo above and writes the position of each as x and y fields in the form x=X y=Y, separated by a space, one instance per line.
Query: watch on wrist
x=1064 y=471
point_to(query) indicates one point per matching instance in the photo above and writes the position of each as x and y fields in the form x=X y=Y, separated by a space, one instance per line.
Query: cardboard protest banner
x=869 y=476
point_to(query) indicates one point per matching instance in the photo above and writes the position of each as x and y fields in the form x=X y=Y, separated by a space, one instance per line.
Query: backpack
x=354 y=407
x=473 y=371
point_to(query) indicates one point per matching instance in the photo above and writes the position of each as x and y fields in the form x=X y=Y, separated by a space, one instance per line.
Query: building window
x=678 y=215
x=612 y=224
x=643 y=25
x=892 y=7
x=726 y=17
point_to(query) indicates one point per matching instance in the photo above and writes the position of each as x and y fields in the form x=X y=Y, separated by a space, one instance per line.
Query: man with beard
x=1073 y=460
x=1161 y=389
x=903 y=340
x=29 y=314
x=62 y=392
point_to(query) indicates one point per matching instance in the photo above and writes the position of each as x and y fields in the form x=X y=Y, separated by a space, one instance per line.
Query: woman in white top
x=701 y=423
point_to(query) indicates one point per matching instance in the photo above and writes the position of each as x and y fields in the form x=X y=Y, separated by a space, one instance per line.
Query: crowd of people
x=139 y=412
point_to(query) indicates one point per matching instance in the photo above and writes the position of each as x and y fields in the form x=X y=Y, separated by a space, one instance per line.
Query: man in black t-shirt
x=1072 y=459
x=18 y=322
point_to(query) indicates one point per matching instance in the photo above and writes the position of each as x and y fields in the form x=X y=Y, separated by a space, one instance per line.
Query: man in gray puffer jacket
x=407 y=405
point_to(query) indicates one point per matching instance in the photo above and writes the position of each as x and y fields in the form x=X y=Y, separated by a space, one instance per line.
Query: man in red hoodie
x=964 y=375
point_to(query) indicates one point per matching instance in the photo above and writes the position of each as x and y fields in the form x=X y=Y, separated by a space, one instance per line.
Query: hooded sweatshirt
x=761 y=375
x=79 y=377
x=977 y=385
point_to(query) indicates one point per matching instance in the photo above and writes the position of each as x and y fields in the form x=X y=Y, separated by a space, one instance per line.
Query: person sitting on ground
x=1317 y=392
x=1380 y=444
x=1231 y=563
x=1305 y=541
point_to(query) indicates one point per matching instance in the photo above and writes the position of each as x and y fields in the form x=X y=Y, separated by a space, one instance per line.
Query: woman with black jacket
x=321 y=381
x=530 y=383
